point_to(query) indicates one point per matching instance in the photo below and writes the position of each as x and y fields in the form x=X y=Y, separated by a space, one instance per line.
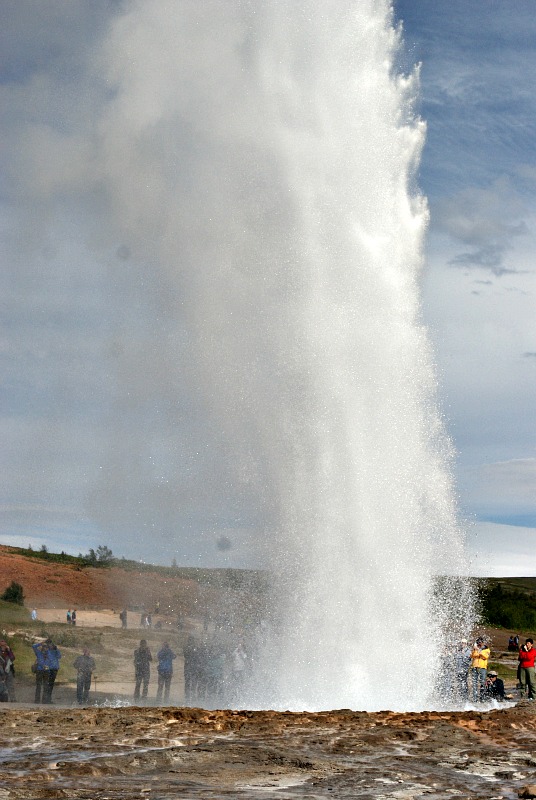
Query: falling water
x=278 y=147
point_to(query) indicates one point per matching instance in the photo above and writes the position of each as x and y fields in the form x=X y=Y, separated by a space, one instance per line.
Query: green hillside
x=509 y=602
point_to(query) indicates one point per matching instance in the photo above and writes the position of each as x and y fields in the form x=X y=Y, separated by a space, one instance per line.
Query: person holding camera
x=494 y=687
x=47 y=664
x=527 y=655
x=479 y=667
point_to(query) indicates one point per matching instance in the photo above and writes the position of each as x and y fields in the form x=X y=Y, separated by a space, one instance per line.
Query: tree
x=14 y=594
x=104 y=554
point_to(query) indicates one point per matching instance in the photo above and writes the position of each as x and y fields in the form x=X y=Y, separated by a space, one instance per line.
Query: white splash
x=263 y=159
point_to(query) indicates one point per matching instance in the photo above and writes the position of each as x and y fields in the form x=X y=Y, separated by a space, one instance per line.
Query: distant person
x=73 y=617
x=479 y=667
x=493 y=688
x=69 y=617
x=165 y=658
x=34 y=614
x=85 y=667
x=142 y=669
x=462 y=662
x=8 y=657
x=527 y=655
x=47 y=665
x=123 y=618
x=512 y=646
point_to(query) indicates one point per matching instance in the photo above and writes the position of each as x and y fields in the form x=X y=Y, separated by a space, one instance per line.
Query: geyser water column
x=262 y=156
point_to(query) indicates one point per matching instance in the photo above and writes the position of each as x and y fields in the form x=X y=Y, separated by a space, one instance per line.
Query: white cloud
x=504 y=484
x=487 y=220
x=501 y=550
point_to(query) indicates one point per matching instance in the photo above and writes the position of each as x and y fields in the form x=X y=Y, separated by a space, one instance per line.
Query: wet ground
x=162 y=753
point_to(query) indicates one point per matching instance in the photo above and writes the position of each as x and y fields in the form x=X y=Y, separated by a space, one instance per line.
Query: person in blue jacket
x=47 y=664
x=165 y=670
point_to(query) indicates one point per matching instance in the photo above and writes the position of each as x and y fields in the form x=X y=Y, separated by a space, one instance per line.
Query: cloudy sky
x=105 y=439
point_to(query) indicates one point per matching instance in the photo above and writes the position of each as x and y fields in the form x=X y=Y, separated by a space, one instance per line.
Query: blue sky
x=478 y=171
x=89 y=405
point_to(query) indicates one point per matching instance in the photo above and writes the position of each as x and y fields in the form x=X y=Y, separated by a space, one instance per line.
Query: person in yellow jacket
x=479 y=667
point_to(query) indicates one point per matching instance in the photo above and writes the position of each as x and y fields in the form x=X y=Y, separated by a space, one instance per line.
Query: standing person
x=191 y=669
x=8 y=657
x=479 y=667
x=34 y=614
x=4 y=696
x=142 y=669
x=527 y=655
x=165 y=658
x=215 y=669
x=68 y=616
x=73 y=617
x=85 y=666
x=123 y=618
x=47 y=665
x=238 y=668
x=462 y=662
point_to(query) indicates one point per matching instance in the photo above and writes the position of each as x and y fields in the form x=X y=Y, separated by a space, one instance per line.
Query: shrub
x=14 y=594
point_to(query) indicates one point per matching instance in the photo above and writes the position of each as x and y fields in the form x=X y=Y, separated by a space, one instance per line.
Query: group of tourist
x=205 y=673
x=206 y=678
x=472 y=663
x=214 y=673
x=142 y=670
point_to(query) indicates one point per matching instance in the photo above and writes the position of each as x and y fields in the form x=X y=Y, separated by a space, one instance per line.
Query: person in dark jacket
x=4 y=697
x=47 y=658
x=142 y=669
x=8 y=656
x=85 y=666
x=493 y=688
x=165 y=658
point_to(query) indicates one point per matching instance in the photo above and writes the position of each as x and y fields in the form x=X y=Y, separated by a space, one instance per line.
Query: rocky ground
x=161 y=753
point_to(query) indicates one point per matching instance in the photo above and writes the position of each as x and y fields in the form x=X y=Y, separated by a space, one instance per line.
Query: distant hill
x=525 y=585
x=509 y=602
x=56 y=580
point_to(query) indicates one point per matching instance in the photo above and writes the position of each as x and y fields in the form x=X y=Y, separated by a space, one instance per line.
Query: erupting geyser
x=279 y=148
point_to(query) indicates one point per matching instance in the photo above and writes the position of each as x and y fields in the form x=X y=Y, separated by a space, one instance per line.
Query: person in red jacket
x=527 y=655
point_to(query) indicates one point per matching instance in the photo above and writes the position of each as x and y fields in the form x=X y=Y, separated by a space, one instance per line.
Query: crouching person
x=493 y=688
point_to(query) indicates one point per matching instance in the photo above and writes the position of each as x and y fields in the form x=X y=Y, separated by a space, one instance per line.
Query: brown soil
x=50 y=585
